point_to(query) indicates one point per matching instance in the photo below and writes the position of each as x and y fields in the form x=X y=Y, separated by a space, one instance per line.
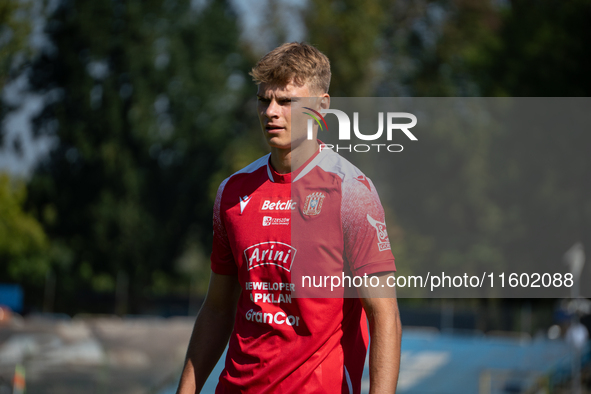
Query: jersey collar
x=276 y=177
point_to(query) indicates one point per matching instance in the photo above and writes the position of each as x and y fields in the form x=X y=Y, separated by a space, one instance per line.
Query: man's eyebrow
x=278 y=98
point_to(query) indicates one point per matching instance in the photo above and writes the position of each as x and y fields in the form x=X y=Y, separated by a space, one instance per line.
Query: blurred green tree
x=540 y=49
x=428 y=46
x=23 y=243
x=144 y=98
x=501 y=196
x=14 y=31
x=349 y=33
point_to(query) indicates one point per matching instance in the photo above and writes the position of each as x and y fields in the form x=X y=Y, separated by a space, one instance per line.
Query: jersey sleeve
x=367 y=247
x=222 y=259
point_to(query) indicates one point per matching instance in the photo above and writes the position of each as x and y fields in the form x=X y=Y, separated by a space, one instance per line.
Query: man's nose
x=272 y=109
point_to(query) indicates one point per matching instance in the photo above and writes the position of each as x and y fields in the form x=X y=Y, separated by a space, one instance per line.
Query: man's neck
x=285 y=161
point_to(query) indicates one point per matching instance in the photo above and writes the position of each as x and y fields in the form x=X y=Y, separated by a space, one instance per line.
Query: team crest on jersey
x=383 y=241
x=313 y=204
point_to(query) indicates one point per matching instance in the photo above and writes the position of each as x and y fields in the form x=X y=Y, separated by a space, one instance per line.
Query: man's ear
x=325 y=101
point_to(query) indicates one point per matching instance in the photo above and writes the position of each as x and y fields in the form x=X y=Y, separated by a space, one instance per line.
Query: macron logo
x=363 y=179
x=243 y=201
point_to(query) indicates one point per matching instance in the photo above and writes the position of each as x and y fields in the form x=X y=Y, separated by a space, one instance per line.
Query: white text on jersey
x=270 y=253
x=271 y=298
x=270 y=318
x=279 y=205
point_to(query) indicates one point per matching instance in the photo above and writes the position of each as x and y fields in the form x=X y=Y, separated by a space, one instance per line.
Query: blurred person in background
x=280 y=344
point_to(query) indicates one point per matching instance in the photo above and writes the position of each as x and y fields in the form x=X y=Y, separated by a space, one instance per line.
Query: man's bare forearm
x=208 y=341
x=384 y=351
x=213 y=327
x=381 y=308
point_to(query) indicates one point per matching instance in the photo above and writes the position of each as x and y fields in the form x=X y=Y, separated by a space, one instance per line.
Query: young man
x=298 y=211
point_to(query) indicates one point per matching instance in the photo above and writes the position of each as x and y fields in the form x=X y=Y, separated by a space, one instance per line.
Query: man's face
x=275 y=106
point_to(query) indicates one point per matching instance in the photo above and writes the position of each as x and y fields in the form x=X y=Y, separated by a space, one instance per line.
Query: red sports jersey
x=270 y=229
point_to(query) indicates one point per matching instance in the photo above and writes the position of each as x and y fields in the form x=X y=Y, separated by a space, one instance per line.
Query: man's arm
x=213 y=327
x=385 y=330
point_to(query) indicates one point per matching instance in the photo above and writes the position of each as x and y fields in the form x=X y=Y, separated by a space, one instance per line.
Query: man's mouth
x=274 y=128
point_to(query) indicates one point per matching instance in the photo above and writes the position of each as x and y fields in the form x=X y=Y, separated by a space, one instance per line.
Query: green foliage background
x=153 y=107
x=23 y=242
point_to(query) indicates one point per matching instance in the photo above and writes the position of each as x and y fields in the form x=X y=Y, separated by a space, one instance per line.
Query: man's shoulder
x=250 y=169
x=336 y=164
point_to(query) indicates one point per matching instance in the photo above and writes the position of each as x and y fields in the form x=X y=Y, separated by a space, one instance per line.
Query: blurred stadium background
x=120 y=118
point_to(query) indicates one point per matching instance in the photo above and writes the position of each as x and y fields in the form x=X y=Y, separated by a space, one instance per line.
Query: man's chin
x=275 y=143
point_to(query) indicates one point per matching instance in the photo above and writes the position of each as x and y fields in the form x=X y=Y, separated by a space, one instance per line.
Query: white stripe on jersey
x=330 y=161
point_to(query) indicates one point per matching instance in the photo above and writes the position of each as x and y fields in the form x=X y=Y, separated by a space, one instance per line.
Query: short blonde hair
x=295 y=61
